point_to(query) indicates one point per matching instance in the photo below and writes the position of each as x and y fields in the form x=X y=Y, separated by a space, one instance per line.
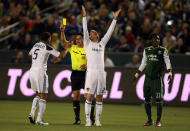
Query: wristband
x=137 y=75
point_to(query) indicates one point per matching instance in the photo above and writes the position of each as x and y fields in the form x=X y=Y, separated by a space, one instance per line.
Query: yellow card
x=64 y=21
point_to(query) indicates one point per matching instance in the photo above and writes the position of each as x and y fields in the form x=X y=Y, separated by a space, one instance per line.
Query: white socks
x=99 y=106
x=42 y=108
x=34 y=105
x=88 y=109
x=98 y=110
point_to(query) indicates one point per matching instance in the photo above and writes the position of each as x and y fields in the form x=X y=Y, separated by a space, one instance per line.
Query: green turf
x=13 y=117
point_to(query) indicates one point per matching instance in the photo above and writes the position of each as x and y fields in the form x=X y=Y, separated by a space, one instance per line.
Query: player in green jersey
x=155 y=58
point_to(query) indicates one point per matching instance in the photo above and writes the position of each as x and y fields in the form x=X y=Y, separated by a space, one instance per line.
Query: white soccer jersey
x=40 y=54
x=95 y=51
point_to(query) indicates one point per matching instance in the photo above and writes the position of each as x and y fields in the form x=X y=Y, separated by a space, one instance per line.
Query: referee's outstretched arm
x=66 y=44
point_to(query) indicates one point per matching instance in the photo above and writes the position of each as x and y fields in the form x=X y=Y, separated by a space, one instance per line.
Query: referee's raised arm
x=66 y=44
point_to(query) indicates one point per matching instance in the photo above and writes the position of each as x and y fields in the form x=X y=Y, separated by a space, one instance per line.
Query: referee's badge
x=83 y=57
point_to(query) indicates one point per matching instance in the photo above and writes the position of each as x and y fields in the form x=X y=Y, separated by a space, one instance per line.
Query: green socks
x=147 y=106
x=159 y=105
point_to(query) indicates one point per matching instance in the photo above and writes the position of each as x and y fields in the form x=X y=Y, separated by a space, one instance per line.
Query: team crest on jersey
x=87 y=89
x=159 y=52
x=100 y=46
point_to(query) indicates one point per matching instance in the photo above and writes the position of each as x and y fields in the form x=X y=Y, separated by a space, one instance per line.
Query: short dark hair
x=45 y=36
x=81 y=34
x=96 y=28
x=153 y=36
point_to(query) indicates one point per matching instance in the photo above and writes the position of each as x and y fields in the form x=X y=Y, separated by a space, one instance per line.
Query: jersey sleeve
x=143 y=62
x=108 y=34
x=85 y=31
x=52 y=51
x=167 y=59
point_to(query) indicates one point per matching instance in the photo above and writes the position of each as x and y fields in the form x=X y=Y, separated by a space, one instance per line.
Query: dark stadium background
x=22 y=21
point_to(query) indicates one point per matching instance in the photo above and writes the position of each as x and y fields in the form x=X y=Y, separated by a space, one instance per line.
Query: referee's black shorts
x=77 y=80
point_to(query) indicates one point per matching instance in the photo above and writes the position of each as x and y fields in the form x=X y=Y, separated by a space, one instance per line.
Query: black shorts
x=77 y=80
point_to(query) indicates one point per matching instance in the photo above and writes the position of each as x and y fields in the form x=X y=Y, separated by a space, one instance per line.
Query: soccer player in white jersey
x=38 y=77
x=95 y=77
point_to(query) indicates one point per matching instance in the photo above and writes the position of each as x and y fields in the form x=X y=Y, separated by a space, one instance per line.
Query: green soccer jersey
x=154 y=60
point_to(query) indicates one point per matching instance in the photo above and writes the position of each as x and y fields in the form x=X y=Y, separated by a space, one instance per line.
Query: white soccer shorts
x=95 y=82
x=39 y=80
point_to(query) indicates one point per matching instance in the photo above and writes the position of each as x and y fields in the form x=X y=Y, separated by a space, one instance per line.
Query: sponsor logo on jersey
x=97 y=50
x=152 y=57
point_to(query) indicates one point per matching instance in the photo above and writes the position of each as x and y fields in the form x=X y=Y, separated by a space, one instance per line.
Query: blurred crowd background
x=138 y=19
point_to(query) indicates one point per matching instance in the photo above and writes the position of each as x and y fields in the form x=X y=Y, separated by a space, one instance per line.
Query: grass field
x=13 y=117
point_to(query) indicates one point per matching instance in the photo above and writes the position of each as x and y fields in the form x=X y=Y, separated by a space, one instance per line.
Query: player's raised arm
x=66 y=44
x=168 y=65
x=84 y=25
x=108 y=34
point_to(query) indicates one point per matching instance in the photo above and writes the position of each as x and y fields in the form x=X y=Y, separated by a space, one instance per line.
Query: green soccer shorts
x=154 y=88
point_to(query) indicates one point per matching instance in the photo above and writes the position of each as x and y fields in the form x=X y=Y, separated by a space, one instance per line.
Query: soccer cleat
x=88 y=123
x=148 y=123
x=97 y=123
x=77 y=122
x=41 y=123
x=32 y=120
x=158 y=124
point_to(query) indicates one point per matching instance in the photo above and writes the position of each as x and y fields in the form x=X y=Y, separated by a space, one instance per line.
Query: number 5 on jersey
x=35 y=54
